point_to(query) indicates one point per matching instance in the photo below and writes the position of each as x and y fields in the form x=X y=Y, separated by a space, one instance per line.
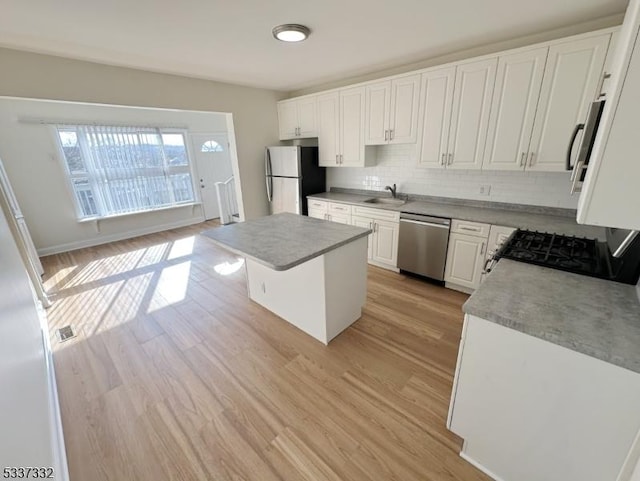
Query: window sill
x=97 y=220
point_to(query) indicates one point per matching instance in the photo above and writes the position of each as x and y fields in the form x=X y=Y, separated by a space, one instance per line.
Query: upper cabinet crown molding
x=391 y=111
x=297 y=118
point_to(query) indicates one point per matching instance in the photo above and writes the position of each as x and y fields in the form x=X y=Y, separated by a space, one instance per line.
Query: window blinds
x=118 y=169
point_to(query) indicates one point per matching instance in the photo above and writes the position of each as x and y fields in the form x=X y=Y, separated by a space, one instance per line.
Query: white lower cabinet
x=531 y=410
x=497 y=236
x=383 y=241
x=466 y=255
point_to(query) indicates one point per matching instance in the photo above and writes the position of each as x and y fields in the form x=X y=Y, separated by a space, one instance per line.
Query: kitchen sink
x=385 y=200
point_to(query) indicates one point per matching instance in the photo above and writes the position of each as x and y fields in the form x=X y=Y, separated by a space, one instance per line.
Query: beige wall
x=34 y=164
x=254 y=110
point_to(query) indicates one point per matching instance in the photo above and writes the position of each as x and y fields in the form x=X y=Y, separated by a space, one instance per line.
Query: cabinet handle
x=482 y=248
x=386 y=135
x=341 y=159
x=605 y=76
x=442 y=162
x=375 y=227
x=531 y=154
x=523 y=158
x=337 y=157
x=472 y=229
x=391 y=134
x=371 y=225
x=450 y=159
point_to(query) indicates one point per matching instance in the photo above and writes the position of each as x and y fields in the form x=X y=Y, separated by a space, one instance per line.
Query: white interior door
x=213 y=163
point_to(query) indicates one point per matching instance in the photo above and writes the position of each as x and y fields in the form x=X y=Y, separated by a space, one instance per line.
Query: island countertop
x=592 y=316
x=283 y=241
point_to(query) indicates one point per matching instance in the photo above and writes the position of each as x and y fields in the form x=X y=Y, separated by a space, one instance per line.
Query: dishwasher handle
x=430 y=224
x=425 y=219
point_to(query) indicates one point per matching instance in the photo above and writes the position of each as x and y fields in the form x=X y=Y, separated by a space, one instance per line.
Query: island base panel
x=322 y=296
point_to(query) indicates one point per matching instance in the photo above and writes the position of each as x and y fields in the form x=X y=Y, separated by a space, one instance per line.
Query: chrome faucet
x=392 y=189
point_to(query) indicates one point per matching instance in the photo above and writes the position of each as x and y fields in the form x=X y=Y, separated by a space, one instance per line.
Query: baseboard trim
x=383 y=266
x=475 y=463
x=456 y=287
x=71 y=246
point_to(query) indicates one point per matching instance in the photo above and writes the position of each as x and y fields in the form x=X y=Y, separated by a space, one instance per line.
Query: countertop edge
x=545 y=336
x=291 y=265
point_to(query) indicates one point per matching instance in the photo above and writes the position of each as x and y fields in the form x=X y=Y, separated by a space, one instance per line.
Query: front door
x=213 y=164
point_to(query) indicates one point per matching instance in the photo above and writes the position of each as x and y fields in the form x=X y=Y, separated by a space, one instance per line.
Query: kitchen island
x=310 y=272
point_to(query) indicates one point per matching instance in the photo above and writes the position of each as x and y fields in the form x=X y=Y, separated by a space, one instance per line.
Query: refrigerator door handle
x=267 y=170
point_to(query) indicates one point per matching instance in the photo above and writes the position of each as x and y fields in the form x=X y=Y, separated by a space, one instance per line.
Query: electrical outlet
x=485 y=189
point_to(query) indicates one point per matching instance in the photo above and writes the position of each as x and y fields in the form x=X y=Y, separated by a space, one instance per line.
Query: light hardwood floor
x=176 y=375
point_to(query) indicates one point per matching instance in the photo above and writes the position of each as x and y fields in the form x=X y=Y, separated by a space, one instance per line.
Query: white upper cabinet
x=352 y=152
x=571 y=79
x=436 y=99
x=513 y=110
x=378 y=100
x=297 y=118
x=328 y=129
x=610 y=194
x=341 y=129
x=391 y=113
x=470 y=114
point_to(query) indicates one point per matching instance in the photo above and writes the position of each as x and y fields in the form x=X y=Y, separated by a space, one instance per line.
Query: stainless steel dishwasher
x=423 y=245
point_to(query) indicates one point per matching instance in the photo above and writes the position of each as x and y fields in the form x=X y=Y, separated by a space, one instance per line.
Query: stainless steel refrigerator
x=292 y=173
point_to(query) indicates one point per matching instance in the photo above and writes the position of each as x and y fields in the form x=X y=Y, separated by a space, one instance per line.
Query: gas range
x=572 y=254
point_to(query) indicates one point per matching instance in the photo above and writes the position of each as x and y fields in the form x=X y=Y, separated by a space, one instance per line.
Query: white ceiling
x=231 y=40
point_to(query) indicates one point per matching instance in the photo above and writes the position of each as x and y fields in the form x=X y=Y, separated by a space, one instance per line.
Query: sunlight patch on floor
x=228 y=268
x=181 y=248
x=171 y=287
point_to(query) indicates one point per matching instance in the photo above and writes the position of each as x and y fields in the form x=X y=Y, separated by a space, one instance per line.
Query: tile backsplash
x=396 y=164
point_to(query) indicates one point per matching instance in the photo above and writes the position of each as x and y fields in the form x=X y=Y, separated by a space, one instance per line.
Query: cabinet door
x=366 y=223
x=465 y=258
x=436 y=98
x=513 y=109
x=470 y=115
x=570 y=82
x=340 y=218
x=317 y=213
x=385 y=242
x=307 y=117
x=377 y=113
x=352 y=127
x=287 y=119
x=403 y=114
x=328 y=129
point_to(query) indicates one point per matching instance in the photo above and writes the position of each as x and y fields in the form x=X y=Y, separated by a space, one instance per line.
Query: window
x=211 y=146
x=120 y=170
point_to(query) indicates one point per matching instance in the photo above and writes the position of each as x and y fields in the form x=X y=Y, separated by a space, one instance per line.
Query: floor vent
x=65 y=333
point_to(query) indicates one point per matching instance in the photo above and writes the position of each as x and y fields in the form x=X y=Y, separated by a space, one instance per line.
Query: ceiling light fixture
x=291 y=32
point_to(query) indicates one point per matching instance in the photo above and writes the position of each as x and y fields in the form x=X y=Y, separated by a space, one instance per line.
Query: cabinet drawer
x=380 y=214
x=343 y=209
x=470 y=228
x=318 y=205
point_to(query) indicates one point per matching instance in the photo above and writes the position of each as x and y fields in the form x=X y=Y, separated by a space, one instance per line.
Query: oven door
x=590 y=127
